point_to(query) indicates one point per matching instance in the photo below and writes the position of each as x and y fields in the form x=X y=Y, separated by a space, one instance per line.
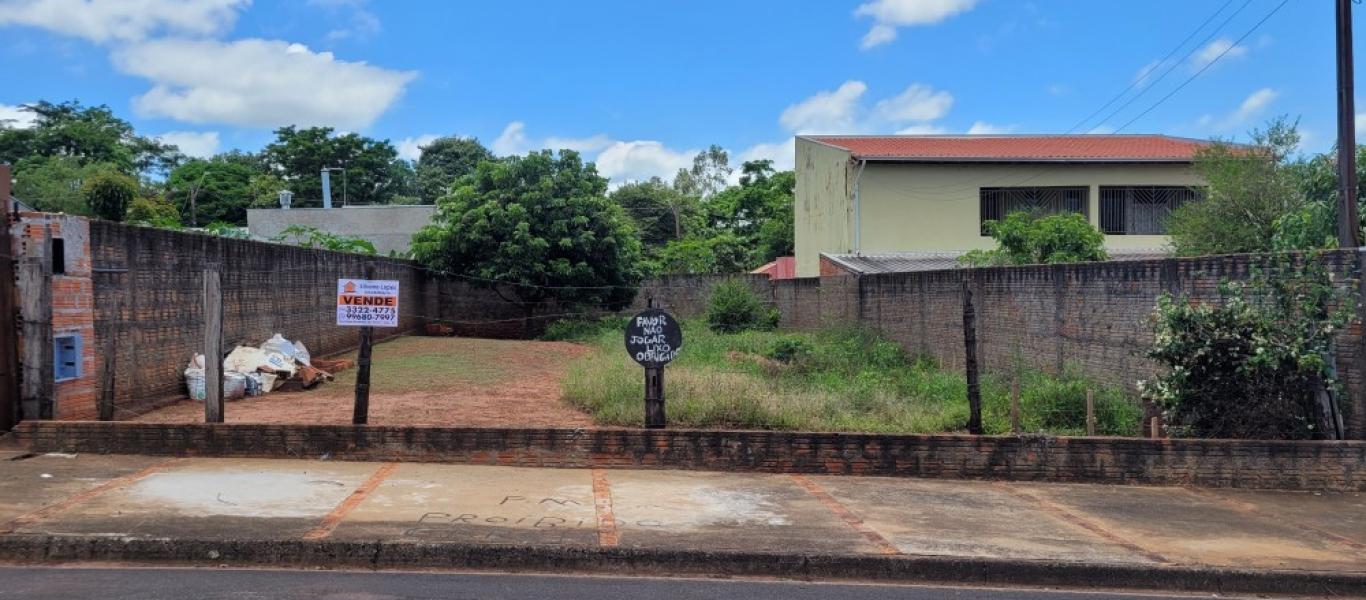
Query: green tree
x=211 y=190
x=446 y=160
x=373 y=175
x=90 y=134
x=53 y=183
x=153 y=211
x=722 y=252
x=708 y=174
x=661 y=213
x=1027 y=239
x=1249 y=188
x=108 y=194
x=759 y=210
x=264 y=190
x=542 y=225
x=312 y=237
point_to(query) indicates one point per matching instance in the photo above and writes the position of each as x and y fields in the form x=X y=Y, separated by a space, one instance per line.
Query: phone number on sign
x=368 y=313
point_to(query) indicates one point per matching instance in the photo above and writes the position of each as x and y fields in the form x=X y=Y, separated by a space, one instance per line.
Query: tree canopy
x=446 y=160
x=374 y=173
x=542 y=225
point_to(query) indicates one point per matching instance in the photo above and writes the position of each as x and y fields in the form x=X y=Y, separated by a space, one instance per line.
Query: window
x=66 y=349
x=1141 y=210
x=997 y=203
x=58 y=256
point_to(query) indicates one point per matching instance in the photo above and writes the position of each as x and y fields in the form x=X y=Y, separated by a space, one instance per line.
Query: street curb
x=656 y=562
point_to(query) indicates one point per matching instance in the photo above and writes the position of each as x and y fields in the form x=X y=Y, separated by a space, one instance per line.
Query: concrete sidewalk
x=55 y=507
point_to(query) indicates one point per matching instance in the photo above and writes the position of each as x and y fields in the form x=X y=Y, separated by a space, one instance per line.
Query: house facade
x=933 y=194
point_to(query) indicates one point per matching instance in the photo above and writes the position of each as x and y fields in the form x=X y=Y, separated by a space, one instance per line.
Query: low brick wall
x=1339 y=466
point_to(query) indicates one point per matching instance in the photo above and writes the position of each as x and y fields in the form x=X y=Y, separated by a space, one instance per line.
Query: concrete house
x=859 y=195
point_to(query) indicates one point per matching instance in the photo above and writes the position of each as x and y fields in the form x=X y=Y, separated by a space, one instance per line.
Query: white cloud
x=199 y=144
x=923 y=129
x=917 y=103
x=888 y=15
x=15 y=117
x=985 y=128
x=124 y=20
x=826 y=111
x=1214 y=50
x=410 y=148
x=1145 y=73
x=258 y=83
x=361 y=23
x=1251 y=107
x=783 y=154
x=1058 y=89
x=514 y=140
x=641 y=160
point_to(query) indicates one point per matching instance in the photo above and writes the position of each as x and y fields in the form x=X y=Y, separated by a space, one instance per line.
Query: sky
x=639 y=87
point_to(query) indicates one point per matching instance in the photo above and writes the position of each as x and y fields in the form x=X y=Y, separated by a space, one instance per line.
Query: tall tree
x=542 y=225
x=53 y=183
x=108 y=193
x=373 y=174
x=759 y=210
x=205 y=191
x=446 y=160
x=708 y=174
x=89 y=134
x=661 y=213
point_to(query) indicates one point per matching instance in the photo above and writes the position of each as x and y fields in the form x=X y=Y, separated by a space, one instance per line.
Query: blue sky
x=640 y=86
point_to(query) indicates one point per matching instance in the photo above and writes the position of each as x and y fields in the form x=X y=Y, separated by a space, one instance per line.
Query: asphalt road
x=53 y=583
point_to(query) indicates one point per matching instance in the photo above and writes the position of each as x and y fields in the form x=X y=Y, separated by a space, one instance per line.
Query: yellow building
x=888 y=194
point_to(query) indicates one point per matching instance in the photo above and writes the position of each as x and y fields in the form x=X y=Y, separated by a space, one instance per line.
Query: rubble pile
x=257 y=370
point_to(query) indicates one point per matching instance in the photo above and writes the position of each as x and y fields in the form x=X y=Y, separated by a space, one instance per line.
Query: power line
x=1159 y=63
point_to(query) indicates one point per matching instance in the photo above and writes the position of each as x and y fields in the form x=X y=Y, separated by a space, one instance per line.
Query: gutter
x=858 y=209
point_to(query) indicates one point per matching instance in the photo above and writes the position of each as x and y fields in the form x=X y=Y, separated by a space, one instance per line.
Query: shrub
x=1253 y=366
x=1026 y=239
x=790 y=350
x=108 y=194
x=735 y=308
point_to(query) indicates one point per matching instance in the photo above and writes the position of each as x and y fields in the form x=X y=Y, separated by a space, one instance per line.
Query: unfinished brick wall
x=72 y=311
x=1094 y=317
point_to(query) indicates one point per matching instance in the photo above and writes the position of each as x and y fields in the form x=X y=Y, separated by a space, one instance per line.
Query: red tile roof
x=1017 y=148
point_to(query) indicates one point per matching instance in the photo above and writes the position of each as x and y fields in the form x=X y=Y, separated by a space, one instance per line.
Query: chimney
x=327 y=188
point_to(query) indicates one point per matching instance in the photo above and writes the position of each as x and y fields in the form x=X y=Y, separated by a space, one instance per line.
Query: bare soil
x=426 y=381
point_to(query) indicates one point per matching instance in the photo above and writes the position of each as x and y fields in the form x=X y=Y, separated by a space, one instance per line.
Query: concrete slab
x=32 y=483
x=1337 y=513
x=725 y=511
x=477 y=504
x=1188 y=529
x=216 y=499
x=967 y=518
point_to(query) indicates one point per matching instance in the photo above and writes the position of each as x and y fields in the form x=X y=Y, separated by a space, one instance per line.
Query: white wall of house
x=390 y=227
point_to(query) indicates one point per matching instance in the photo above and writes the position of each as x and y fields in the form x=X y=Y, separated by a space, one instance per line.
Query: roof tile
x=1018 y=147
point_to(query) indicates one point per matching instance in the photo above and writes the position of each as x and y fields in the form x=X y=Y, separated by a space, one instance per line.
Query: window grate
x=66 y=350
x=1141 y=210
x=997 y=203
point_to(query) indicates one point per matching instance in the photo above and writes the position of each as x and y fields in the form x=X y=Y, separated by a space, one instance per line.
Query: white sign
x=367 y=303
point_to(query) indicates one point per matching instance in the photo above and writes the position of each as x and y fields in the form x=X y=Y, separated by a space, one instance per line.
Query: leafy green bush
x=578 y=330
x=791 y=350
x=312 y=237
x=108 y=194
x=1252 y=366
x=1026 y=239
x=735 y=308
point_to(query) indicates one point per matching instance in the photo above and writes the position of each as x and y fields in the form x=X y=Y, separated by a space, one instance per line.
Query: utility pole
x=1348 y=225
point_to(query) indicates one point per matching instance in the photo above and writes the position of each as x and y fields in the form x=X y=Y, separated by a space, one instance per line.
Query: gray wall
x=390 y=228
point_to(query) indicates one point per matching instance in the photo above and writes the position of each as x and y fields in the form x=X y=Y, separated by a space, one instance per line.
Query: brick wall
x=1091 y=316
x=1339 y=466
x=686 y=296
x=148 y=301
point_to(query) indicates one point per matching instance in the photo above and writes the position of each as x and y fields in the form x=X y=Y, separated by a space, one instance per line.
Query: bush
x=735 y=308
x=108 y=194
x=1027 y=239
x=790 y=350
x=1253 y=366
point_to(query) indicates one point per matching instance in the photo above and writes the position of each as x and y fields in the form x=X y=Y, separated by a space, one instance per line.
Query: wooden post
x=1015 y=403
x=213 y=347
x=35 y=289
x=361 y=413
x=654 y=398
x=1156 y=427
x=1090 y=412
x=970 y=363
x=110 y=361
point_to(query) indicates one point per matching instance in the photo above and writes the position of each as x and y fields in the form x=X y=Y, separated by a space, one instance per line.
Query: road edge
x=20 y=548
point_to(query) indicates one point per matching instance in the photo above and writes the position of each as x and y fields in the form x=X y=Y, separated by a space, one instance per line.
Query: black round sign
x=653 y=338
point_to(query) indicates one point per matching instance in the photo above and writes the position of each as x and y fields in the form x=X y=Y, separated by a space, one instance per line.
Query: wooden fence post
x=213 y=347
x=35 y=289
x=1090 y=412
x=360 y=415
x=1015 y=403
x=9 y=339
x=970 y=364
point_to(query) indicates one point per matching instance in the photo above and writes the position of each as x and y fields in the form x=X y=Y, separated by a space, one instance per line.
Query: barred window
x=997 y=203
x=1141 y=210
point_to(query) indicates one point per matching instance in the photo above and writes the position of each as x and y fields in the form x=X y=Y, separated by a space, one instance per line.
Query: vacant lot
x=835 y=380
x=429 y=381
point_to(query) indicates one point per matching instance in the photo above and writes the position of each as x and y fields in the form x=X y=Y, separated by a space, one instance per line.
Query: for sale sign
x=367 y=303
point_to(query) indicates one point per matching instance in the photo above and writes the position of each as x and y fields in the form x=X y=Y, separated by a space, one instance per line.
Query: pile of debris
x=253 y=371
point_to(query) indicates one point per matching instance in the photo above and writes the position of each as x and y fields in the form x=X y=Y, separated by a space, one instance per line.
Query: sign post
x=366 y=303
x=653 y=339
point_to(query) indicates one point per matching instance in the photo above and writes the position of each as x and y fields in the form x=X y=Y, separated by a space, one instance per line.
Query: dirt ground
x=429 y=381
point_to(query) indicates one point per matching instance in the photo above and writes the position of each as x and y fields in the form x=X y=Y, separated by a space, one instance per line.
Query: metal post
x=970 y=362
x=654 y=398
x=1348 y=224
x=361 y=414
x=213 y=347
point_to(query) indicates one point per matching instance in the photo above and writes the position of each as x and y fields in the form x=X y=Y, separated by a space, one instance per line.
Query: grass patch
x=424 y=364
x=835 y=380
